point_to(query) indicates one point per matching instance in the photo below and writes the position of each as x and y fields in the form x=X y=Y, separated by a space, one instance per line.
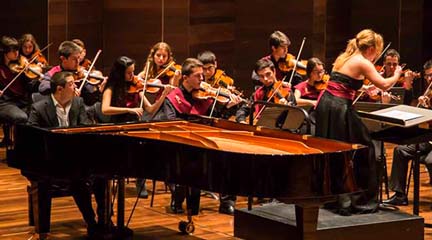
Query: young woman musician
x=119 y=101
x=160 y=57
x=336 y=118
x=307 y=92
x=29 y=49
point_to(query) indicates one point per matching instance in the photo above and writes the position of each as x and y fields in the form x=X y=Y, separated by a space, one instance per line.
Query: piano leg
x=123 y=232
x=41 y=206
x=307 y=221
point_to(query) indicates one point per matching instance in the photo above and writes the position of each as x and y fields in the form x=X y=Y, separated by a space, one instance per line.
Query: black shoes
x=228 y=209
x=398 y=199
x=141 y=183
x=175 y=208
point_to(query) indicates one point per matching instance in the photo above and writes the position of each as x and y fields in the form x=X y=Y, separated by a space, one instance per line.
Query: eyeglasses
x=208 y=68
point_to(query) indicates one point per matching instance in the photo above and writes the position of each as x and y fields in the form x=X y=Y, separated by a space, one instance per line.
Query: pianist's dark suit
x=43 y=114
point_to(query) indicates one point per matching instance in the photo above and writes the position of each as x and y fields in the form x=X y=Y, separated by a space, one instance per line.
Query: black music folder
x=283 y=117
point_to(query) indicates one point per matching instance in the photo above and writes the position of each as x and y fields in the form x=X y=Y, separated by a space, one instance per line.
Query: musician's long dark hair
x=116 y=81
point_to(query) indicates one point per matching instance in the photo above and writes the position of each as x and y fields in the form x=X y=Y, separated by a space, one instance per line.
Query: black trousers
x=402 y=154
x=192 y=196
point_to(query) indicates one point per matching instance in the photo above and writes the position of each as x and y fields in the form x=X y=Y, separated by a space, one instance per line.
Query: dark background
x=236 y=30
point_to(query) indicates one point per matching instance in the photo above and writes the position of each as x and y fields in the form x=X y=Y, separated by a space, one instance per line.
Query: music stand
x=277 y=116
x=404 y=125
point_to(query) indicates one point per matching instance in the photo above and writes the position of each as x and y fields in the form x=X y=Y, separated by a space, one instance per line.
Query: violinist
x=391 y=61
x=402 y=154
x=217 y=78
x=337 y=119
x=15 y=101
x=69 y=55
x=180 y=103
x=29 y=49
x=160 y=57
x=307 y=92
x=212 y=75
x=266 y=72
x=121 y=104
x=92 y=91
x=279 y=44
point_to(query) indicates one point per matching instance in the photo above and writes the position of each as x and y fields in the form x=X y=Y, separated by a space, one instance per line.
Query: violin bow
x=145 y=82
x=24 y=69
x=84 y=80
x=376 y=60
x=215 y=100
x=291 y=77
x=165 y=69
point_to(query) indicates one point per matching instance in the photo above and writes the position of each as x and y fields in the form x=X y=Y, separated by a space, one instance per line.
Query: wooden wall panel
x=24 y=16
x=212 y=27
x=256 y=20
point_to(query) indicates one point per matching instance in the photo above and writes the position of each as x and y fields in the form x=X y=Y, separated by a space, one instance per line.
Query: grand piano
x=210 y=154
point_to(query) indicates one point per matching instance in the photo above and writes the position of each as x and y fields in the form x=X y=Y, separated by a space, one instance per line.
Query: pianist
x=63 y=109
x=179 y=104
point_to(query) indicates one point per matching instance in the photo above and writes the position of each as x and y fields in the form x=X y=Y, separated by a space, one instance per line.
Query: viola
x=278 y=92
x=33 y=71
x=152 y=85
x=323 y=83
x=288 y=64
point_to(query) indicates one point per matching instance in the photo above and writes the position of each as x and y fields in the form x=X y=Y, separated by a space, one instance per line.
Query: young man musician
x=217 y=78
x=279 y=56
x=266 y=72
x=70 y=55
x=402 y=154
x=63 y=109
x=179 y=104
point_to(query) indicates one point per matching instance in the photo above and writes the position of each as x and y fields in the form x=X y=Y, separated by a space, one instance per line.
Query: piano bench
x=39 y=204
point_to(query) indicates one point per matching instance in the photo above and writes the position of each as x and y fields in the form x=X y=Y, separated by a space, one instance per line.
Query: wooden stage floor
x=147 y=222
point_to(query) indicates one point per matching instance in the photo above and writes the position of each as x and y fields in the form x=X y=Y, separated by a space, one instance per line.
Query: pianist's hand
x=138 y=111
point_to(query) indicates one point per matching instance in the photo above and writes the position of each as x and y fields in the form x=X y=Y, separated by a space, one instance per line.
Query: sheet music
x=405 y=116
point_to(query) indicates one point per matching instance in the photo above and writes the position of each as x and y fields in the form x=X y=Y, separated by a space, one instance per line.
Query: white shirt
x=62 y=113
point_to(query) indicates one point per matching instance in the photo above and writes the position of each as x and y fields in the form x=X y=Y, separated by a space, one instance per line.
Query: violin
x=40 y=59
x=223 y=80
x=33 y=71
x=206 y=91
x=323 y=83
x=95 y=77
x=288 y=64
x=278 y=92
x=152 y=86
x=168 y=70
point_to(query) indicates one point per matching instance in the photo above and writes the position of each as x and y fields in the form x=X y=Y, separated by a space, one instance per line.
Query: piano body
x=210 y=154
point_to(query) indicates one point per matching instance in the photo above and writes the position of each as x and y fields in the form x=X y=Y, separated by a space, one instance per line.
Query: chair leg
x=30 y=206
x=153 y=193
x=409 y=178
